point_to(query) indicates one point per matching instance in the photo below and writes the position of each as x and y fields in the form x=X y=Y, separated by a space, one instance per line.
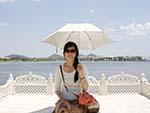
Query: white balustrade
x=37 y=84
x=6 y=89
x=30 y=84
x=93 y=85
x=123 y=83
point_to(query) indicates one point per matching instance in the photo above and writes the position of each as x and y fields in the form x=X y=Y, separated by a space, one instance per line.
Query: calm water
x=94 y=68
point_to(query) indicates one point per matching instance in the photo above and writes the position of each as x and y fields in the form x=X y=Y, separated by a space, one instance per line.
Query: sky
x=24 y=24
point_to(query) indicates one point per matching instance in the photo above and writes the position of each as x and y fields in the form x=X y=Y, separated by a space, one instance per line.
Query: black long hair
x=76 y=60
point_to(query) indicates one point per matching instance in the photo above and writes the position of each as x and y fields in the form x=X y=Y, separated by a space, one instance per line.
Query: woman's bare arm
x=83 y=81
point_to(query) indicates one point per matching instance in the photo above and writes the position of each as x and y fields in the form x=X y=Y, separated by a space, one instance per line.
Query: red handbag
x=86 y=99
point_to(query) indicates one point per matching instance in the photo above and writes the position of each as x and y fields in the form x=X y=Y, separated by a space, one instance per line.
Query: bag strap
x=63 y=78
x=64 y=82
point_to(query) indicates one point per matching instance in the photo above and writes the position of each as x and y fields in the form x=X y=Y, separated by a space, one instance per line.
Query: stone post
x=50 y=83
x=11 y=80
x=103 y=85
x=143 y=80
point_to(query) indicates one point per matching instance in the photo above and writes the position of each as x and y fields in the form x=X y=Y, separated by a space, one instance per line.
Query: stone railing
x=6 y=89
x=30 y=84
x=37 y=84
x=27 y=84
x=94 y=86
x=123 y=83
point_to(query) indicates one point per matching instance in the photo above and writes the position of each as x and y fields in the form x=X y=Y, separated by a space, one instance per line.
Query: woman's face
x=70 y=53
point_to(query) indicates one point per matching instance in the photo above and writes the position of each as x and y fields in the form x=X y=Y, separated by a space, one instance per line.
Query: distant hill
x=56 y=57
x=16 y=56
x=81 y=57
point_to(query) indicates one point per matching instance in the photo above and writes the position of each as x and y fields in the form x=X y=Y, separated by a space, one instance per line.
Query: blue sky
x=25 y=23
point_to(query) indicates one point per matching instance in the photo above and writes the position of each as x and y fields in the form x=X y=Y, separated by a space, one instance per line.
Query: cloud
x=91 y=11
x=12 y=1
x=7 y=1
x=109 y=29
x=136 y=29
x=3 y=24
x=37 y=0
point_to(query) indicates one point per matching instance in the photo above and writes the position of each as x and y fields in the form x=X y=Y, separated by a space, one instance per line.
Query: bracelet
x=82 y=78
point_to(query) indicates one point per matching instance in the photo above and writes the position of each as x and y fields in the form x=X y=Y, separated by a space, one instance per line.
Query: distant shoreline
x=80 y=60
x=56 y=57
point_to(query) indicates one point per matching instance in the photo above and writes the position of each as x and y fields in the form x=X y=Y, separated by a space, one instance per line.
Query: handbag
x=84 y=98
x=88 y=100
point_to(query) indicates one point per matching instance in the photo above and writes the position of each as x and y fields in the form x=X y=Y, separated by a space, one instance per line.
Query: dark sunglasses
x=70 y=50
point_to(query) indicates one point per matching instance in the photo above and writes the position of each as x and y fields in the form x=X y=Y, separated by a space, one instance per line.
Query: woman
x=74 y=75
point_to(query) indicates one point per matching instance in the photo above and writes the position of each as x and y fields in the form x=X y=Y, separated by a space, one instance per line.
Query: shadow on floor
x=45 y=110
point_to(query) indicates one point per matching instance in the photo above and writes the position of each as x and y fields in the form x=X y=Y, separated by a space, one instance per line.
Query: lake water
x=94 y=68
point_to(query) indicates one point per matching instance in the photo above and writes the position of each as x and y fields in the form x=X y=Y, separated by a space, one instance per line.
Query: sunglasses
x=70 y=50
